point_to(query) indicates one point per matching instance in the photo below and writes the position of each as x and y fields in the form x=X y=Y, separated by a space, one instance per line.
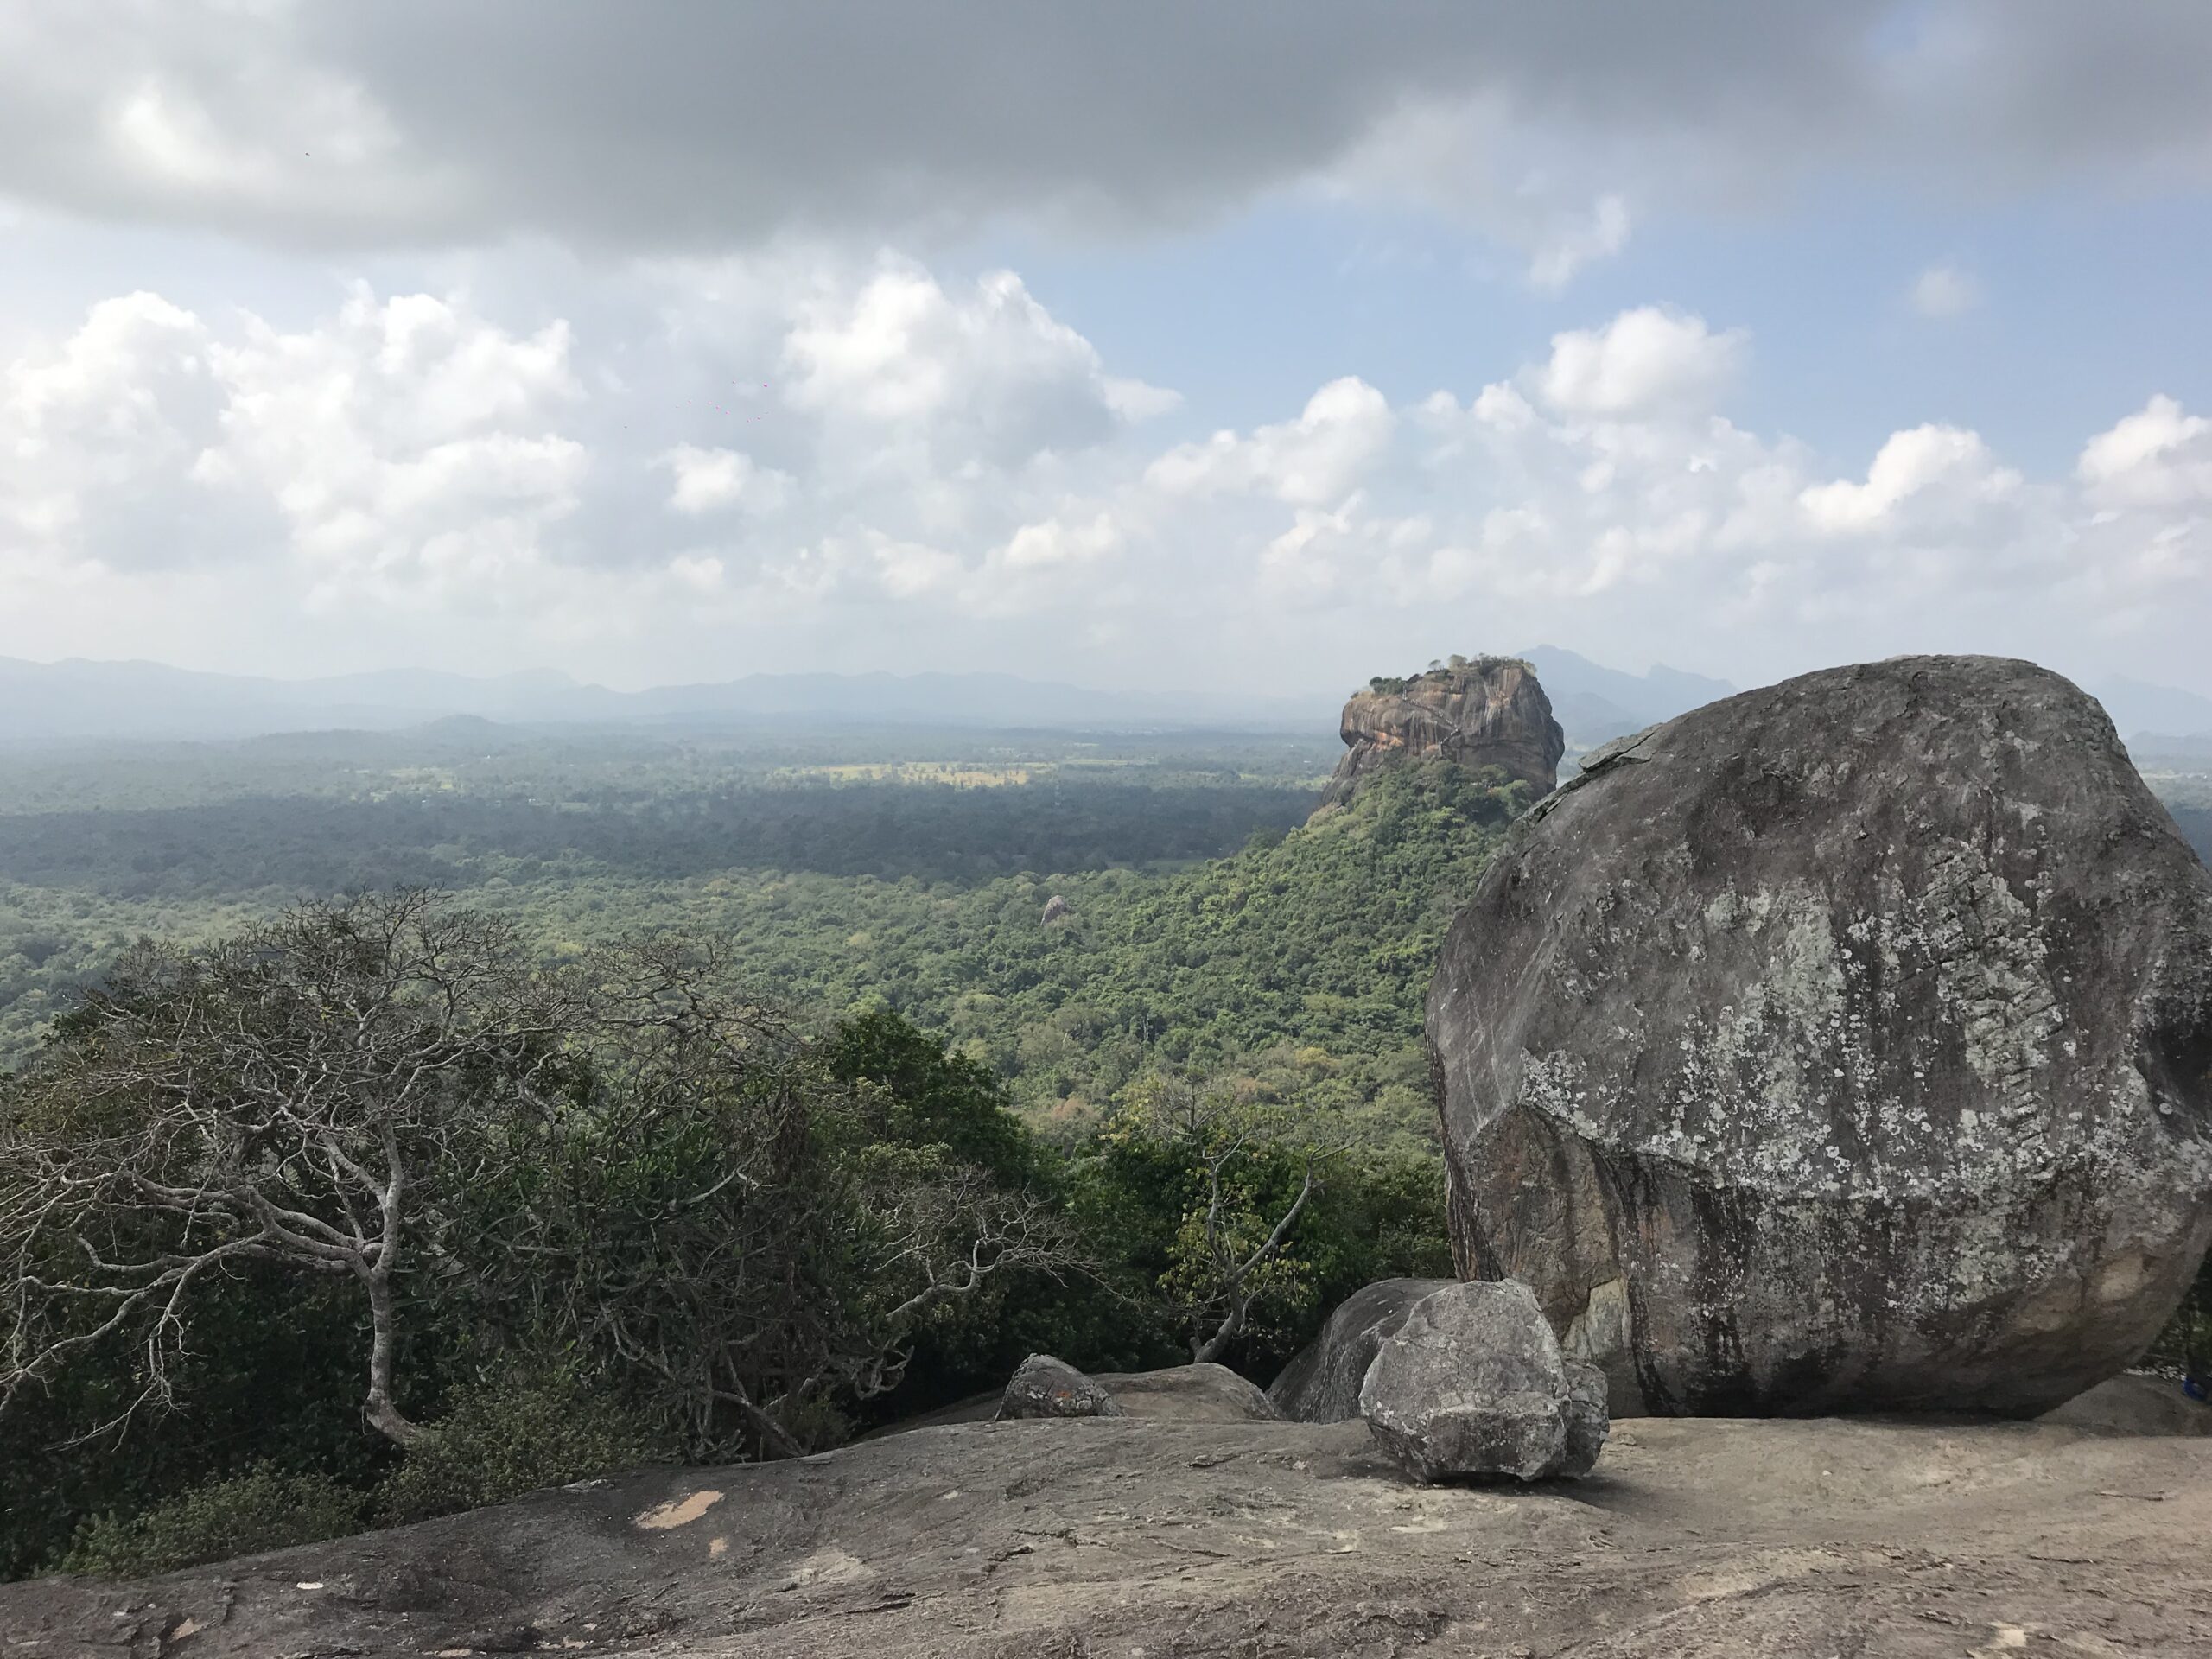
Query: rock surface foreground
x=1694 y=1540
x=1845 y=1045
x=1472 y=1382
x=1490 y=712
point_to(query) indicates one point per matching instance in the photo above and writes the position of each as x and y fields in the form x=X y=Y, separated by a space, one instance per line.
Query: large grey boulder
x=1473 y=1384
x=1042 y=1386
x=1321 y=1383
x=1845 y=1045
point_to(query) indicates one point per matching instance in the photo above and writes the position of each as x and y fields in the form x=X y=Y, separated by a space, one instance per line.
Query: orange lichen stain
x=679 y=1512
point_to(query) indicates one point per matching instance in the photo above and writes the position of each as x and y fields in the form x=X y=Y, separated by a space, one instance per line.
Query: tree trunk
x=1212 y=1348
x=381 y=1412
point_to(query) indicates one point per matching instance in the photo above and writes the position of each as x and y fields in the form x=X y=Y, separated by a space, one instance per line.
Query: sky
x=1261 y=346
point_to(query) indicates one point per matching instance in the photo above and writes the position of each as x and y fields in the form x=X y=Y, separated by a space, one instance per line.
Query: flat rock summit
x=1841 y=1046
x=1489 y=711
x=1112 y=1537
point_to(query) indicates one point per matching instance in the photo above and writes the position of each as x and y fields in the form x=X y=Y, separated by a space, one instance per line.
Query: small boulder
x=1473 y=1384
x=1044 y=1387
x=1321 y=1383
x=1587 y=1421
x=1189 y=1394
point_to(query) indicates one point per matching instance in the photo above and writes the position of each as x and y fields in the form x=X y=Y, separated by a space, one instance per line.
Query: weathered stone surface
x=1711 y=1540
x=1473 y=1384
x=1188 y=1394
x=2135 y=1404
x=1044 y=1387
x=1845 y=1045
x=1321 y=1383
x=1490 y=712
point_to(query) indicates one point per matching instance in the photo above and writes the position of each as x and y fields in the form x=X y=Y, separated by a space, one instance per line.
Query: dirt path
x=1144 y=1540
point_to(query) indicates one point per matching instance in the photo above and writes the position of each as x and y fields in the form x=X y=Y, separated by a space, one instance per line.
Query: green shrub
x=262 y=1509
x=520 y=1434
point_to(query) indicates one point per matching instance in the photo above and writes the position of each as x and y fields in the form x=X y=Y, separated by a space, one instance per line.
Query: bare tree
x=626 y=1156
x=288 y=1095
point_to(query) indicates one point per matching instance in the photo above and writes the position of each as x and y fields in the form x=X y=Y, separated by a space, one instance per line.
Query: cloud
x=1572 y=244
x=708 y=481
x=421 y=477
x=1643 y=359
x=409 y=446
x=1930 y=471
x=2158 y=457
x=986 y=369
x=1944 y=291
x=1313 y=460
x=100 y=432
x=406 y=448
x=411 y=121
x=1056 y=542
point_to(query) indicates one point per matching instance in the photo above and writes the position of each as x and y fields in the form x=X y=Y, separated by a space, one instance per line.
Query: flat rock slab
x=1715 y=1538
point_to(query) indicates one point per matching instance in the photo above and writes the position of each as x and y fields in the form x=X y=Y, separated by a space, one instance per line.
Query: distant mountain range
x=2152 y=711
x=1594 y=703
x=43 y=703
x=77 y=700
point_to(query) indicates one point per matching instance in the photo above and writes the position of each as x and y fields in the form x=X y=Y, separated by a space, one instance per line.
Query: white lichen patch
x=1993 y=972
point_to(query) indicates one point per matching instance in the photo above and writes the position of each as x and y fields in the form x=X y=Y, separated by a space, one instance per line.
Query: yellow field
x=962 y=774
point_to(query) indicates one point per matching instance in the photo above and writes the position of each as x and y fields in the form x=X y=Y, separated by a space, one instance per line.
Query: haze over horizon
x=1248 y=350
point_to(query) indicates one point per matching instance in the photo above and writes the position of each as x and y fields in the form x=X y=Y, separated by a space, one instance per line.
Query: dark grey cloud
x=659 y=126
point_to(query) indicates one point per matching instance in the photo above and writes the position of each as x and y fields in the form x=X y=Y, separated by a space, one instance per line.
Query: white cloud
x=708 y=481
x=98 y=434
x=1573 y=244
x=413 y=478
x=910 y=569
x=702 y=572
x=1643 y=361
x=409 y=445
x=985 y=368
x=1056 y=542
x=1928 y=471
x=2159 y=457
x=1314 y=460
x=1945 y=291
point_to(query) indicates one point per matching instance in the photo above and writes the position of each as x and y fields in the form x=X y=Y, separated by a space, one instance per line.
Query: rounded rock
x=1841 y=1046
